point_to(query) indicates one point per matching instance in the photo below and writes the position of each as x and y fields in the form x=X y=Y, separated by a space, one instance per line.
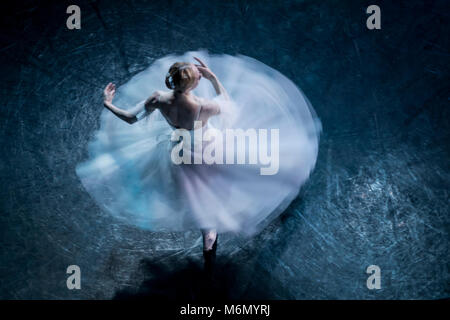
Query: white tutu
x=130 y=172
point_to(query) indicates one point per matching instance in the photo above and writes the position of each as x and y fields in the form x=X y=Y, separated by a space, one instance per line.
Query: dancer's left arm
x=130 y=117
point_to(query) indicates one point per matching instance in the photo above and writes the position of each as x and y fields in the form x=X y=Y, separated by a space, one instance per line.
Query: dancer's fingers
x=200 y=61
x=110 y=87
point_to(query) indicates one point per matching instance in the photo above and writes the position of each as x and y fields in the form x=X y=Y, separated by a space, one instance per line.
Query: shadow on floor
x=247 y=274
x=187 y=282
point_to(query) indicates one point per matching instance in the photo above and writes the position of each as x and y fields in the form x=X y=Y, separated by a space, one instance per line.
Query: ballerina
x=130 y=172
x=188 y=108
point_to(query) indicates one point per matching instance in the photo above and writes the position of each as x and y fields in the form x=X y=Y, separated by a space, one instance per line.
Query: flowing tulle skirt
x=131 y=173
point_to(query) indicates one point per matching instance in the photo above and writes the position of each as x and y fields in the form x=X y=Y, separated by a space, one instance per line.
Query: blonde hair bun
x=180 y=76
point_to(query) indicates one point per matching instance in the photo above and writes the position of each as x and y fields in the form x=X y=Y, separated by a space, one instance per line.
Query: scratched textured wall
x=378 y=195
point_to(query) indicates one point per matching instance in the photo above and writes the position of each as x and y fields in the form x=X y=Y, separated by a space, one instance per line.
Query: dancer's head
x=183 y=76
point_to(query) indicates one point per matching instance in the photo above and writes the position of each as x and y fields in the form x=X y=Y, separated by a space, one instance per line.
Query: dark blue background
x=378 y=195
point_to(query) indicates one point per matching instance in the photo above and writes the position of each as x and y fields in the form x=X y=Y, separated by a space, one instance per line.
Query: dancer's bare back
x=181 y=110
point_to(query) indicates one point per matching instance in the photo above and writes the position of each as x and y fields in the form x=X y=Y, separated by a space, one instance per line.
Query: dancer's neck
x=180 y=92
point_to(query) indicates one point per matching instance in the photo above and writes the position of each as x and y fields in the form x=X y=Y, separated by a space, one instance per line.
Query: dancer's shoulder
x=155 y=99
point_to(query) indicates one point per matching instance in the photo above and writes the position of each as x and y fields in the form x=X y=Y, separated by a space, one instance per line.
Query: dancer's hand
x=109 y=92
x=204 y=70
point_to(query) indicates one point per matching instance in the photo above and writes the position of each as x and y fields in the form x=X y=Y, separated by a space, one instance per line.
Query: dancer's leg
x=209 y=237
x=209 y=251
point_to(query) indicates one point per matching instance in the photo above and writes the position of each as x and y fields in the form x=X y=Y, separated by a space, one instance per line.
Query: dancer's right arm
x=127 y=116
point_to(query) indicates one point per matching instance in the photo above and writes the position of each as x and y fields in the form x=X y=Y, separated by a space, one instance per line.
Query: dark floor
x=378 y=195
